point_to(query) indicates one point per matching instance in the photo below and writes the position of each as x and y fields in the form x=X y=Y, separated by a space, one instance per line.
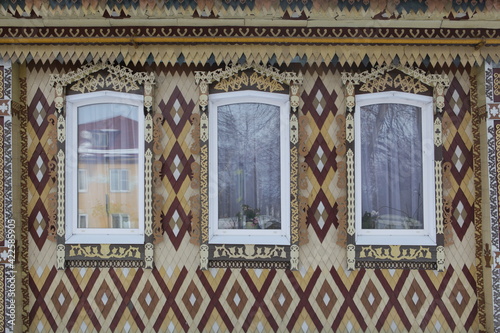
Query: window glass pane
x=249 y=193
x=82 y=221
x=391 y=166
x=108 y=145
x=124 y=180
x=82 y=180
x=113 y=180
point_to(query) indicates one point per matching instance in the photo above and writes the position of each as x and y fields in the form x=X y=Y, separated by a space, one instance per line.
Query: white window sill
x=105 y=239
x=423 y=240
x=250 y=240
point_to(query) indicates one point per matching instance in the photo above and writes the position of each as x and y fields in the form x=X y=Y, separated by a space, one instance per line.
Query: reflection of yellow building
x=103 y=203
x=107 y=173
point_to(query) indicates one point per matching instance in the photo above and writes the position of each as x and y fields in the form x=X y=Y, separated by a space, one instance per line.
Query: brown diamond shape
x=61 y=299
x=104 y=299
x=319 y=100
x=148 y=299
x=326 y=299
x=459 y=297
x=192 y=299
x=415 y=298
x=320 y=156
x=281 y=299
x=237 y=299
x=371 y=298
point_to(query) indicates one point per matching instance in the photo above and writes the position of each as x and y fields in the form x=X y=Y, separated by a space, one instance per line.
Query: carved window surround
x=241 y=78
x=93 y=78
x=409 y=80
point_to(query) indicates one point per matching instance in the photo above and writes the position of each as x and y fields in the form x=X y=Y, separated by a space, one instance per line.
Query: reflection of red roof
x=121 y=132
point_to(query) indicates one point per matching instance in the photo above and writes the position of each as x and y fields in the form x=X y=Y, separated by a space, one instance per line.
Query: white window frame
x=427 y=235
x=83 y=177
x=121 y=173
x=250 y=236
x=75 y=235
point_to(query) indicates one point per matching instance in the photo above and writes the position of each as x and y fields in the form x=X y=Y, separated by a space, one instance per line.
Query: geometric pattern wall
x=8 y=230
x=322 y=296
x=492 y=85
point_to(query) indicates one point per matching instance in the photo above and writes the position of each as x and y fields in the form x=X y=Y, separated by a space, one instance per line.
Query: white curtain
x=391 y=154
x=249 y=191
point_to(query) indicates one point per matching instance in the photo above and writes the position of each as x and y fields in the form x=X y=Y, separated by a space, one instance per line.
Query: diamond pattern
x=319 y=102
x=104 y=299
x=175 y=223
x=38 y=172
x=459 y=297
x=326 y=299
x=61 y=299
x=461 y=158
x=457 y=99
x=281 y=299
x=37 y=223
x=371 y=298
x=40 y=109
x=148 y=300
x=176 y=168
x=435 y=291
x=321 y=159
x=462 y=214
x=176 y=111
x=192 y=299
x=237 y=299
x=176 y=296
x=321 y=215
x=415 y=298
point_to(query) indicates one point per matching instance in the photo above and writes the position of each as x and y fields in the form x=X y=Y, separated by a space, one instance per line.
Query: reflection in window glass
x=121 y=221
x=82 y=221
x=119 y=180
x=82 y=180
x=108 y=148
x=391 y=166
x=249 y=194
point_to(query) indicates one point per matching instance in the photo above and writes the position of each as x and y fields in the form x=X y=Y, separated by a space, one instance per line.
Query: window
x=249 y=165
x=105 y=168
x=251 y=213
x=121 y=221
x=394 y=169
x=100 y=138
x=395 y=207
x=104 y=120
x=82 y=220
x=118 y=180
x=82 y=180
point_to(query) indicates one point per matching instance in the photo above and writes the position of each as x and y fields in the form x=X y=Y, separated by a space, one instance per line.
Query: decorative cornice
x=271 y=72
x=135 y=35
x=121 y=78
x=286 y=9
x=433 y=80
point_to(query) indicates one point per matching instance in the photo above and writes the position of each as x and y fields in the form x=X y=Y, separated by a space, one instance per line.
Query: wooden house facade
x=315 y=261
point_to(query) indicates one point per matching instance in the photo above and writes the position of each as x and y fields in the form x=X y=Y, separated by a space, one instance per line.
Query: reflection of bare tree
x=392 y=160
x=249 y=158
